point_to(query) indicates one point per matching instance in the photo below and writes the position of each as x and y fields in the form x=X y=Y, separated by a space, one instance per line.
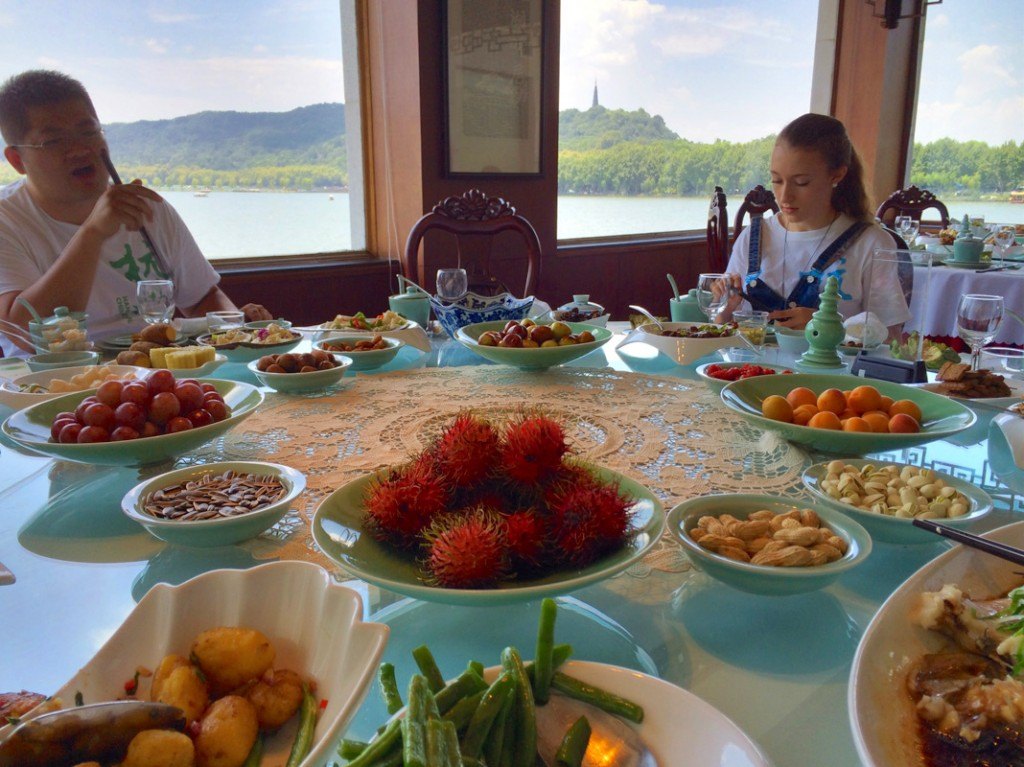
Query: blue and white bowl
x=473 y=308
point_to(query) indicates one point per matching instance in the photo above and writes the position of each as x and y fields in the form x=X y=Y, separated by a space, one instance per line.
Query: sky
x=689 y=61
x=143 y=59
x=741 y=69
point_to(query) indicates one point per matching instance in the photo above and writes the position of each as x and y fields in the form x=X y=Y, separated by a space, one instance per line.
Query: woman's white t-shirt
x=865 y=284
x=31 y=241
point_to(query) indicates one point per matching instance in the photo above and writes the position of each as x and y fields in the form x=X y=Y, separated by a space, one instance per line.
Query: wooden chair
x=718 y=232
x=911 y=202
x=474 y=219
x=757 y=202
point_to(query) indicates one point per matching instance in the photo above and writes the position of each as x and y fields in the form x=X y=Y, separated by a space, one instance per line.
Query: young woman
x=824 y=228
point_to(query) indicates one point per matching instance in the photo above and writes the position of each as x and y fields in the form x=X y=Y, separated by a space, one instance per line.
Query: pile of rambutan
x=488 y=503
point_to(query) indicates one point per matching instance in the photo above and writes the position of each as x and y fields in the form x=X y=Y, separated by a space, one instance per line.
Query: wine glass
x=908 y=229
x=712 y=294
x=155 y=299
x=977 y=319
x=452 y=284
x=1004 y=239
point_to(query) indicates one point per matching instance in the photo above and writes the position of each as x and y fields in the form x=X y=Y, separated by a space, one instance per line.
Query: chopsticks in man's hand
x=142 y=230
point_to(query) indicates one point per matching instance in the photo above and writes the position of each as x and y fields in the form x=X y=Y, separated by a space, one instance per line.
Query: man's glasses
x=90 y=137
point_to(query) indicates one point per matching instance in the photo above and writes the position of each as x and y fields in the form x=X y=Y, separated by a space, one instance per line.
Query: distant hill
x=601 y=128
x=313 y=135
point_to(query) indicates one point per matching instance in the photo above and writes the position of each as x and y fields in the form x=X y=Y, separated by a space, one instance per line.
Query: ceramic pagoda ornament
x=824 y=332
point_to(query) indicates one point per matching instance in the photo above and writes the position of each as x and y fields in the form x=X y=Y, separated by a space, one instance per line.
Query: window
x=969 y=124
x=242 y=114
x=662 y=101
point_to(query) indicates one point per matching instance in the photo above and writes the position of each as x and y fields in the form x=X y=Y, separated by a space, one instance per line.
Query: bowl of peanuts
x=886 y=497
x=764 y=544
x=366 y=352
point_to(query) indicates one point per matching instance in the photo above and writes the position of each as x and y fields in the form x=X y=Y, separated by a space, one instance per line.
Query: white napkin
x=866 y=329
x=1013 y=430
x=414 y=335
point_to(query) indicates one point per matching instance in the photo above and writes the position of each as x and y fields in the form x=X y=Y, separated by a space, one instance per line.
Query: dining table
x=776 y=666
x=931 y=308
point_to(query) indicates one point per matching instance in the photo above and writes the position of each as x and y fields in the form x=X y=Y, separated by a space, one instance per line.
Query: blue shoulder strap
x=754 y=250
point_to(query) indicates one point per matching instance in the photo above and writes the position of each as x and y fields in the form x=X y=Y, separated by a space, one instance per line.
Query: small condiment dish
x=370 y=359
x=791 y=341
x=768 y=580
x=315 y=380
x=221 y=531
x=52 y=360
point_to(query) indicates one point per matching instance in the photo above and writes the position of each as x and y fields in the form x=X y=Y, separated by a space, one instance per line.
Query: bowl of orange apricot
x=843 y=414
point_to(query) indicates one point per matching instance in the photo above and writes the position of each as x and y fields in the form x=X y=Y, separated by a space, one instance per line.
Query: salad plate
x=882 y=714
x=530 y=359
x=339 y=532
x=321 y=636
x=683 y=350
x=33 y=388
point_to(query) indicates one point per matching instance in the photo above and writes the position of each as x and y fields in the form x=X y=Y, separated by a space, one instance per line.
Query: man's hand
x=795 y=318
x=255 y=312
x=126 y=205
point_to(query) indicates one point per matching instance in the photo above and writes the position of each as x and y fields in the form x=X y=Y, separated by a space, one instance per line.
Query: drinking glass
x=908 y=229
x=977 y=319
x=223 y=321
x=753 y=327
x=155 y=299
x=712 y=294
x=452 y=284
x=1005 y=238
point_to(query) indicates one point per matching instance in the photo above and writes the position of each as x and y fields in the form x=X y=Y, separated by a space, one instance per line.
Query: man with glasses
x=70 y=237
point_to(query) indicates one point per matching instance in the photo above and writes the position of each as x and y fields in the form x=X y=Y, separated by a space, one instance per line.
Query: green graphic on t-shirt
x=125 y=308
x=129 y=266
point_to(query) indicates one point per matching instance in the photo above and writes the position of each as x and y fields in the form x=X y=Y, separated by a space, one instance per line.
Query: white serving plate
x=882 y=715
x=684 y=351
x=16 y=400
x=676 y=722
x=314 y=624
x=202 y=371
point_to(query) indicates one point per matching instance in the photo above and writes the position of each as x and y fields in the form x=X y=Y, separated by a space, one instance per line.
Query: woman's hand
x=795 y=318
x=733 y=285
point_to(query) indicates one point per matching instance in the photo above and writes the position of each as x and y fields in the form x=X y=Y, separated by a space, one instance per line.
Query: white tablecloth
x=935 y=313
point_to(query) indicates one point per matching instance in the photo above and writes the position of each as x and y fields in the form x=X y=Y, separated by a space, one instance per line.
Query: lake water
x=241 y=224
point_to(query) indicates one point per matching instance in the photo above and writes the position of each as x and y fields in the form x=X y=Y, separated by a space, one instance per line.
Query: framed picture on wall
x=493 y=70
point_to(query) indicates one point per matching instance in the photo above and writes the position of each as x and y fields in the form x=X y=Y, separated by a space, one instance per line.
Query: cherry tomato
x=160 y=381
x=217 y=409
x=58 y=424
x=99 y=415
x=136 y=392
x=200 y=417
x=109 y=393
x=130 y=414
x=92 y=434
x=163 y=407
x=122 y=433
x=178 y=423
x=189 y=395
x=150 y=429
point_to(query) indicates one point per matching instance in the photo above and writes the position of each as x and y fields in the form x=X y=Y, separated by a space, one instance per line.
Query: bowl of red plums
x=312 y=371
x=528 y=345
x=134 y=423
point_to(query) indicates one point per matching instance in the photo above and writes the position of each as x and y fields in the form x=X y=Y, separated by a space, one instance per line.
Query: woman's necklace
x=814 y=255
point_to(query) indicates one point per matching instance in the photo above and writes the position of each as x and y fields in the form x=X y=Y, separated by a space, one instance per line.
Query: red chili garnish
x=194 y=729
x=323 y=703
x=132 y=685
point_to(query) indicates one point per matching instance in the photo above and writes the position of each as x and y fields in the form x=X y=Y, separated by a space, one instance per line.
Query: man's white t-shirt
x=784 y=256
x=31 y=241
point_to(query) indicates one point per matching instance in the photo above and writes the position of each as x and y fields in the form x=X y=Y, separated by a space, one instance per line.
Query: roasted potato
x=133 y=357
x=231 y=656
x=143 y=346
x=167 y=665
x=276 y=697
x=184 y=687
x=226 y=733
x=160 y=334
x=160 y=748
